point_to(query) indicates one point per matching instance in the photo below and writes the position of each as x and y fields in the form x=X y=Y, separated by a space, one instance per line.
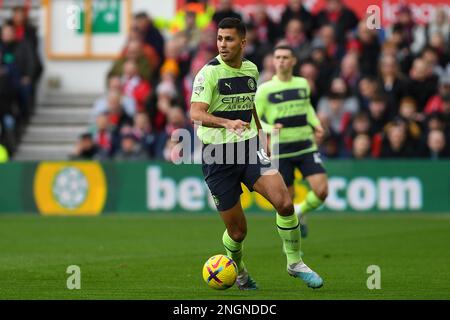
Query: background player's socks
x=289 y=231
x=234 y=250
x=311 y=202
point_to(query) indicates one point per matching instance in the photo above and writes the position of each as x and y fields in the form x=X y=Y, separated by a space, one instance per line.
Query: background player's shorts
x=224 y=180
x=308 y=163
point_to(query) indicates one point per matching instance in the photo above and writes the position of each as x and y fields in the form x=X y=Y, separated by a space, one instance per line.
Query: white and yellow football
x=220 y=272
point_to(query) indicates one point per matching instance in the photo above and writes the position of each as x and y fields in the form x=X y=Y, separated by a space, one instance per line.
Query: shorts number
x=317 y=158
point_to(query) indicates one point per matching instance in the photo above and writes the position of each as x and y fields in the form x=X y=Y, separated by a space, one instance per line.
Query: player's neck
x=234 y=64
x=284 y=77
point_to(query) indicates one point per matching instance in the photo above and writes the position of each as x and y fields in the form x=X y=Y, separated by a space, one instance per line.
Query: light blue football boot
x=302 y=271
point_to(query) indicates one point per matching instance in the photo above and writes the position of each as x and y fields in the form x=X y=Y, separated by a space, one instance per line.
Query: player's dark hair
x=233 y=23
x=285 y=47
x=141 y=15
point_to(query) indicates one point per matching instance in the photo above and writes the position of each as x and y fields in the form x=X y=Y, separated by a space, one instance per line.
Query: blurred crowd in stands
x=20 y=70
x=380 y=93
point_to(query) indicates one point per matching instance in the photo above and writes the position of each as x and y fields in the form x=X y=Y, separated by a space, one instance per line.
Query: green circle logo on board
x=70 y=187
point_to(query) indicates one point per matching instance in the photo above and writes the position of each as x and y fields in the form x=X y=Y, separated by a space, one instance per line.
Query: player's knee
x=322 y=192
x=285 y=206
x=238 y=234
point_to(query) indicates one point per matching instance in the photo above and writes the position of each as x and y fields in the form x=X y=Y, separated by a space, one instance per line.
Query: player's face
x=284 y=61
x=230 y=44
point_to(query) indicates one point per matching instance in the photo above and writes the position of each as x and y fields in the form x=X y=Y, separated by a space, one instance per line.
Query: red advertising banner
x=423 y=10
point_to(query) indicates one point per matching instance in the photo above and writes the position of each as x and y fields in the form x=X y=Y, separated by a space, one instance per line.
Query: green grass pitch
x=161 y=257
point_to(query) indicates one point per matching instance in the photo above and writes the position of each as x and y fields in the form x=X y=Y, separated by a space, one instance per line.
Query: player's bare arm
x=319 y=132
x=199 y=113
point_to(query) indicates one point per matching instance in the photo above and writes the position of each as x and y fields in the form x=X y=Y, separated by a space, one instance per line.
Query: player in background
x=285 y=109
x=222 y=103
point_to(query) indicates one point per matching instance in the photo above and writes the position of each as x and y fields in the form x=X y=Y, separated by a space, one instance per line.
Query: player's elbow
x=196 y=114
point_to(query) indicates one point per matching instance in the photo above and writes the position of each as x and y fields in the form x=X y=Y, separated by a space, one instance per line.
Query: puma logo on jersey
x=228 y=85
x=279 y=96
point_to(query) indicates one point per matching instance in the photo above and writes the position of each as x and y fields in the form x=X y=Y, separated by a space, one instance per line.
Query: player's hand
x=276 y=128
x=319 y=132
x=237 y=126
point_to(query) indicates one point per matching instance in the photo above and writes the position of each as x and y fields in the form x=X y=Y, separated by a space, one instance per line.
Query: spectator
x=392 y=83
x=117 y=117
x=431 y=58
x=439 y=25
x=367 y=47
x=7 y=113
x=134 y=86
x=254 y=49
x=333 y=114
x=85 y=148
x=296 y=10
x=208 y=40
x=103 y=136
x=200 y=59
x=296 y=38
x=309 y=71
x=350 y=72
x=436 y=121
x=360 y=125
x=166 y=95
x=225 y=10
x=361 y=148
x=437 y=102
x=151 y=35
x=342 y=18
x=130 y=149
x=114 y=83
x=378 y=113
x=368 y=88
x=266 y=30
x=191 y=30
x=144 y=134
x=326 y=67
x=441 y=48
x=411 y=36
x=134 y=51
x=437 y=147
x=18 y=57
x=170 y=64
x=268 y=70
x=422 y=85
x=149 y=52
x=25 y=31
x=408 y=112
x=396 y=143
x=339 y=87
x=326 y=38
x=176 y=119
x=329 y=147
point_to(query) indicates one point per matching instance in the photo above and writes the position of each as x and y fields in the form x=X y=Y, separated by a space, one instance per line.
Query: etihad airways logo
x=238 y=99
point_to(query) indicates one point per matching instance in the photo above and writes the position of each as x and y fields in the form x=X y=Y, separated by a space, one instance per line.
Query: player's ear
x=243 y=43
x=294 y=58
